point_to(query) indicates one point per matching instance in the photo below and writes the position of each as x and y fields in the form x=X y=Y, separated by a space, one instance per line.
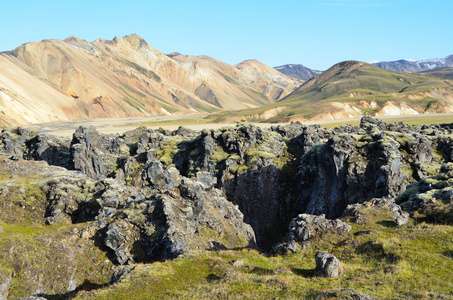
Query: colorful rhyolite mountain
x=55 y=80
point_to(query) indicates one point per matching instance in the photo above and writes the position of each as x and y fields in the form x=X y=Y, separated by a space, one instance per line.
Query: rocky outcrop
x=130 y=224
x=431 y=198
x=5 y=283
x=271 y=175
x=193 y=215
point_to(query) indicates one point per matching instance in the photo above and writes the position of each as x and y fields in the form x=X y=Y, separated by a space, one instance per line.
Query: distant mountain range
x=403 y=65
x=411 y=66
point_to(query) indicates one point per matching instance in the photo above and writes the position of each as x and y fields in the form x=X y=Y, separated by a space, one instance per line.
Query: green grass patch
x=187 y=121
x=228 y=78
x=403 y=262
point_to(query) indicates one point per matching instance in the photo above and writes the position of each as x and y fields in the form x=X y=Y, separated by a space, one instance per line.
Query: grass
x=182 y=122
x=37 y=255
x=445 y=73
x=386 y=262
x=228 y=78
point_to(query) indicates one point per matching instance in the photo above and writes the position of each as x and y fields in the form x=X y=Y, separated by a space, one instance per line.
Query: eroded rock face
x=170 y=222
x=272 y=175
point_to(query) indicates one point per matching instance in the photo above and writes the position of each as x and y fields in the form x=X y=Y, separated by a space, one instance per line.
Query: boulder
x=327 y=265
x=119 y=273
x=402 y=219
x=305 y=227
x=367 y=211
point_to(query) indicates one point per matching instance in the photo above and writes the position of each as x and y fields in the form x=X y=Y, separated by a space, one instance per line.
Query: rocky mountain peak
x=134 y=40
x=73 y=39
x=297 y=71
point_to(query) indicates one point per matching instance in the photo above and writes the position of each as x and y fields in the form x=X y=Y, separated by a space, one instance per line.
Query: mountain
x=72 y=79
x=297 y=71
x=351 y=89
x=445 y=73
x=410 y=66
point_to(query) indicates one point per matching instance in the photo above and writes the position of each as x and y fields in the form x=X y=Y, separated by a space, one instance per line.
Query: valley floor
x=198 y=122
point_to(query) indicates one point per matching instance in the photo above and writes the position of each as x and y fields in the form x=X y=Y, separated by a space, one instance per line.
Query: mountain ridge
x=414 y=66
x=402 y=65
x=298 y=71
x=124 y=77
x=351 y=89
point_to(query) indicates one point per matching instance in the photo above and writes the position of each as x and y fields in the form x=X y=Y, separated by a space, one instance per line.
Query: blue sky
x=317 y=33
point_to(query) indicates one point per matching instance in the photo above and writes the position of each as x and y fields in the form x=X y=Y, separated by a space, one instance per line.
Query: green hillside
x=364 y=88
x=445 y=73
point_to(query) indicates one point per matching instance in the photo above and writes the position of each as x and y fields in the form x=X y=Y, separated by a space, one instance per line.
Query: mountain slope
x=410 y=66
x=351 y=89
x=74 y=79
x=445 y=73
x=297 y=71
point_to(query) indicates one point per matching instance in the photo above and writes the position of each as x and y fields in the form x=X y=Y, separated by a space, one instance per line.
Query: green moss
x=219 y=155
x=168 y=151
x=234 y=157
x=43 y=258
x=240 y=169
x=124 y=149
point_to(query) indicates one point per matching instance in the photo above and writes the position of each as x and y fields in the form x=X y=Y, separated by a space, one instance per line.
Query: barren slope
x=73 y=79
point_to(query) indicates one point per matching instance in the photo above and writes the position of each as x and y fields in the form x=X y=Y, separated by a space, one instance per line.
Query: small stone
x=120 y=273
x=281 y=271
x=344 y=294
x=402 y=220
x=390 y=269
x=327 y=265
x=289 y=247
x=238 y=263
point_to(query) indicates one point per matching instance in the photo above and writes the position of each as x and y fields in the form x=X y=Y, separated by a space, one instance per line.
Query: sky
x=317 y=33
